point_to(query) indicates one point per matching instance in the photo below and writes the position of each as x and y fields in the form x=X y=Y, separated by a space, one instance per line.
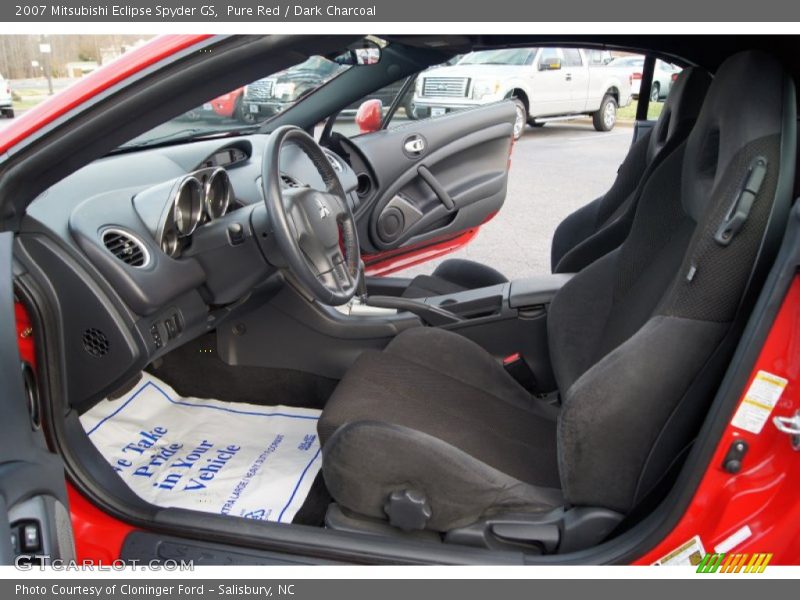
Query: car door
x=33 y=499
x=576 y=73
x=551 y=86
x=426 y=186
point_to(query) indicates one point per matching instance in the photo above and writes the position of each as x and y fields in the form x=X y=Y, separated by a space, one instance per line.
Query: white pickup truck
x=546 y=84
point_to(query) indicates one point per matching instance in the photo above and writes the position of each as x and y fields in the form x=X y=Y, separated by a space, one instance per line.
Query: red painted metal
x=24 y=334
x=93 y=84
x=225 y=105
x=392 y=261
x=98 y=536
x=764 y=494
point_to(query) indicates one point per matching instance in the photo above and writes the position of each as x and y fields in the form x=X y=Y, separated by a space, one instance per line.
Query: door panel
x=577 y=74
x=435 y=180
x=33 y=516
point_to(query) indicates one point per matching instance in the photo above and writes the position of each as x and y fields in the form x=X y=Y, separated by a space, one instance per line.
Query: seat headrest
x=747 y=101
x=681 y=109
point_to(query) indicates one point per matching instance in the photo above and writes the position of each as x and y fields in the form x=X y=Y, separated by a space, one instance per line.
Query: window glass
x=510 y=56
x=251 y=104
x=572 y=57
x=548 y=54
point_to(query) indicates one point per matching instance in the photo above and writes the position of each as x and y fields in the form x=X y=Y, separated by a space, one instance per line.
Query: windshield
x=513 y=56
x=246 y=106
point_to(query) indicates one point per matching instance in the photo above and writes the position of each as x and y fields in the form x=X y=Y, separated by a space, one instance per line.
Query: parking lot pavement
x=554 y=170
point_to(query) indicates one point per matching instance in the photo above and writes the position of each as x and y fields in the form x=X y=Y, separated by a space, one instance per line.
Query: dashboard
x=147 y=249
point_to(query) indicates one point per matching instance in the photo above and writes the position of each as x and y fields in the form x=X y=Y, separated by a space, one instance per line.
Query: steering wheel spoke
x=314 y=229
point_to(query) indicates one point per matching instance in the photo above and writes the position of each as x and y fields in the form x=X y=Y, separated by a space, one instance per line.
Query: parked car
x=545 y=84
x=273 y=94
x=6 y=101
x=664 y=76
x=226 y=106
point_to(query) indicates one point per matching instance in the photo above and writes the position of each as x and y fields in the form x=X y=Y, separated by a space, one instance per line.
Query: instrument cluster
x=196 y=199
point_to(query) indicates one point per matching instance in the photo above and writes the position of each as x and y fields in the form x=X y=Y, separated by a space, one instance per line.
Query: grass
x=628 y=113
x=27 y=103
x=30 y=91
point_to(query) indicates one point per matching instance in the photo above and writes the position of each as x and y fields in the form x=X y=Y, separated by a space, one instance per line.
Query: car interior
x=459 y=416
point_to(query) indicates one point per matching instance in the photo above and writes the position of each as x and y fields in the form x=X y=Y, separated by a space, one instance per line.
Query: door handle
x=414 y=145
x=568 y=77
x=437 y=188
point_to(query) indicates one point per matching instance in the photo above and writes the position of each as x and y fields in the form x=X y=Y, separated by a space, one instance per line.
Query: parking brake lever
x=431 y=315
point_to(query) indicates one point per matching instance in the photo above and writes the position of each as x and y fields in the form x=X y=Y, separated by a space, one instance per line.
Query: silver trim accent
x=414 y=145
x=196 y=212
x=791 y=427
x=218 y=172
x=134 y=238
x=445 y=87
x=170 y=244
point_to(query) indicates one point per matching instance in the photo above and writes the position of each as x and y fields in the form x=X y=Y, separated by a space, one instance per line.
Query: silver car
x=663 y=77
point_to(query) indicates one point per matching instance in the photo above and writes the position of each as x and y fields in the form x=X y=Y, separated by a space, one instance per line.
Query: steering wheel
x=314 y=230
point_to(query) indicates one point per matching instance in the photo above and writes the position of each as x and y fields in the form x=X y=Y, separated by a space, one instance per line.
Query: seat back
x=639 y=339
x=602 y=225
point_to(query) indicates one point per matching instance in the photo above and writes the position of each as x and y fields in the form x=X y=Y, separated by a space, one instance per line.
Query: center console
x=509 y=320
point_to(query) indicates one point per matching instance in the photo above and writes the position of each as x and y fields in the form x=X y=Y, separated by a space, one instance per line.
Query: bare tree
x=18 y=51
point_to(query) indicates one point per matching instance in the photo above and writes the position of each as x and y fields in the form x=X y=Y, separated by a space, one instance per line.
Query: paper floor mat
x=228 y=458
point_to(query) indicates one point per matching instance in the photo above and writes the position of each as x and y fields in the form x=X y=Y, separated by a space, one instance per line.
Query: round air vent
x=95 y=342
x=126 y=247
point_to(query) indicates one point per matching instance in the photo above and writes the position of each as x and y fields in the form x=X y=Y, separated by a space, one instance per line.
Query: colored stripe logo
x=722 y=562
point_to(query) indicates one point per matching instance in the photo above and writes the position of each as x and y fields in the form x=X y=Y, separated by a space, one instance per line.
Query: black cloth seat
x=602 y=225
x=433 y=390
x=638 y=340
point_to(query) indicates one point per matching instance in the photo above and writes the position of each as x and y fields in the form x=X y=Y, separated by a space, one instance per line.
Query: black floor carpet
x=195 y=369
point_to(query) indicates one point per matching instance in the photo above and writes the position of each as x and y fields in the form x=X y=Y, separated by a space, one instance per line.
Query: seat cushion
x=435 y=412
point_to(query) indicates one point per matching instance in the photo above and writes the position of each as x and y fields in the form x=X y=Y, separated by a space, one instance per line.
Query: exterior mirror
x=550 y=64
x=369 y=116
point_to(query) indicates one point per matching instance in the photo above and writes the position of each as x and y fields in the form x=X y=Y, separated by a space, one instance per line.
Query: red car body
x=225 y=105
x=761 y=497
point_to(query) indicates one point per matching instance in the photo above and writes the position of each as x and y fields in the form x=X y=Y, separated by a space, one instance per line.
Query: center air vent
x=125 y=247
x=95 y=342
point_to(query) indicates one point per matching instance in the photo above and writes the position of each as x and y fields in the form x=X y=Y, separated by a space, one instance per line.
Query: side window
x=572 y=57
x=596 y=57
x=664 y=77
x=346 y=120
x=433 y=93
x=549 y=55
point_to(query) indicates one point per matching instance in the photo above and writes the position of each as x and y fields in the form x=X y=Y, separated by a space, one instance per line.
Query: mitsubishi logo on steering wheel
x=324 y=211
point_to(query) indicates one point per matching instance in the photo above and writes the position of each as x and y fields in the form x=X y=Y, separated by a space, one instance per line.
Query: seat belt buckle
x=516 y=366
